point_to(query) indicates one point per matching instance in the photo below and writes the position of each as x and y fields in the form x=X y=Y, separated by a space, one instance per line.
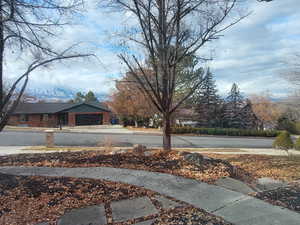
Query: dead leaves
x=257 y=166
x=33 y=199
x=288 y=197
x=165 y=162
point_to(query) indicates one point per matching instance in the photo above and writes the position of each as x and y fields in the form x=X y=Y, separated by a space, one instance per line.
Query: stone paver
x=132 y=208
x=234 y=207
x=267 y=183
x=93 y=215
x=242 y=212
x=235 y=185
x=167 y=203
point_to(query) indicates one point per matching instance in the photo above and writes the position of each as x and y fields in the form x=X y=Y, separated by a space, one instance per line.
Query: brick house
x=56 y=114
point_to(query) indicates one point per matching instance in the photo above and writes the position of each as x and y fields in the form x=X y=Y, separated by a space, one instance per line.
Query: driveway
x=21 y=138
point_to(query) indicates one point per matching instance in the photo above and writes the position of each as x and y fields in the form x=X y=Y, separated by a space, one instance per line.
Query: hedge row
x=224 y=131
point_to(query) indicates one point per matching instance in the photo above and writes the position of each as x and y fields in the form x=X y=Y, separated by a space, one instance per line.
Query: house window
x=24 y=118
x=45 y=117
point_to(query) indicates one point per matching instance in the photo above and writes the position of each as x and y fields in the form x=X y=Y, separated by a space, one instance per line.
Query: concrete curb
x=12 y=150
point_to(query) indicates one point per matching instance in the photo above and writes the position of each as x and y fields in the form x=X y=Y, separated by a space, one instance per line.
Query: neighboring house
x=185 y=117
x=56 y=114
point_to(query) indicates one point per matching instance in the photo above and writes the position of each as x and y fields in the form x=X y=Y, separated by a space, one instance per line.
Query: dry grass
x=107 y=146
x=105 y=149
x=199 y=150
x=277 y=167
x=154 y=130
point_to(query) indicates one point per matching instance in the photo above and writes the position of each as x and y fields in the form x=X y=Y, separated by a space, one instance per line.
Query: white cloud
x=250 y=53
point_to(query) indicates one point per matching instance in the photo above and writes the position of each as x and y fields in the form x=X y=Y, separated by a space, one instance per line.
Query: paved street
x=21 y=138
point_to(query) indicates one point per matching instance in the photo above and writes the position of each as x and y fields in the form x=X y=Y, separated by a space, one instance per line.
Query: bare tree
x=266 y=110
x=128 y=101
x=25 y=27
x=169 y=31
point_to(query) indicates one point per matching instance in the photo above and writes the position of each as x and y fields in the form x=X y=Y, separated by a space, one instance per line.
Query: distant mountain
x=57 y=94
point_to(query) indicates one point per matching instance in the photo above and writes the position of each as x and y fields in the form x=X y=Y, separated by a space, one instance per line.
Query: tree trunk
x=136 y=124
x=167 y=133
x=1 y=62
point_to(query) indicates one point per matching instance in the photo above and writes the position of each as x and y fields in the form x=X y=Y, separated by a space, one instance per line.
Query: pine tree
x=79 y=97
x=208 y=104
x=233 y=116
x=90 y=97
x=250 y=120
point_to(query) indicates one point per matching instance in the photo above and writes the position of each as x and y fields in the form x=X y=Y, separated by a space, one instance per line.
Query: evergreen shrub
x=283 y=141
x=297 y=144
x=225 y=131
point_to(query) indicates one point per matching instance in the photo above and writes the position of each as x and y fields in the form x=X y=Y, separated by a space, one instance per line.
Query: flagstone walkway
x=234 y=207
x=121 y=212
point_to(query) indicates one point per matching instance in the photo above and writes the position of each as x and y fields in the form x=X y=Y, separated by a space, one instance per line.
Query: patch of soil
x=288 y=197
x=164 y=162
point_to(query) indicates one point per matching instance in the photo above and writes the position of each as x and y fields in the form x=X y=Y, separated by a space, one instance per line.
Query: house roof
x=40 y=108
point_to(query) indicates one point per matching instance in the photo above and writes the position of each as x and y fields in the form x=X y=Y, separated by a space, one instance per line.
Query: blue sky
x=252 y=53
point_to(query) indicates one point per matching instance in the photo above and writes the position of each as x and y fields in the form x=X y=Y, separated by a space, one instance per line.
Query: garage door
x=89 y=119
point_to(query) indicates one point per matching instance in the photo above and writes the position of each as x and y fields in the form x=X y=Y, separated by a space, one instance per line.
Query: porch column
x=71 y=119
x=106 y=118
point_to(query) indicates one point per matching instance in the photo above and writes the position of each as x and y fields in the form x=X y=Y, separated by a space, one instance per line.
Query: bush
x=284 y=123
x=297 y=144
x=225 y=131
x=283 y=141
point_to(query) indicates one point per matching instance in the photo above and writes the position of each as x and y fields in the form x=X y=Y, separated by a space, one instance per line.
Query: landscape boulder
x=149 y=153
x=194 y=158
x=267 y=184
x=140 y=149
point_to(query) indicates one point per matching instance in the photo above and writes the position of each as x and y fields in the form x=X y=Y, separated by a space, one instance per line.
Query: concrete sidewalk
x=78 y=129
x=96 y=129
x=11 y=150
x=234 y=207
x=253 y=151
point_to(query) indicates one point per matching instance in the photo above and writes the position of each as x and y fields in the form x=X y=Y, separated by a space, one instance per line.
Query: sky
x=252 y=54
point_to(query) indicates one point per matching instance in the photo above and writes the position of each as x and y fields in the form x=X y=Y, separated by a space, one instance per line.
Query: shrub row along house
x=56 y=114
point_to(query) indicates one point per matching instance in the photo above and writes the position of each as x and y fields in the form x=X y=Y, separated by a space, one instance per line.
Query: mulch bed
x=171 y=162
x=189 y=216
x=28 y=200
x=288 y=197
x=257 y=166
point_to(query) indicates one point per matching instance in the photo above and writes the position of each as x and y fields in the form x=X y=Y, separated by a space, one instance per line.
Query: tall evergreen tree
x=90 y=97
x=79 y=97
x=234 y=104
x=250 y=120
x=208 y=102
x=188 y=74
